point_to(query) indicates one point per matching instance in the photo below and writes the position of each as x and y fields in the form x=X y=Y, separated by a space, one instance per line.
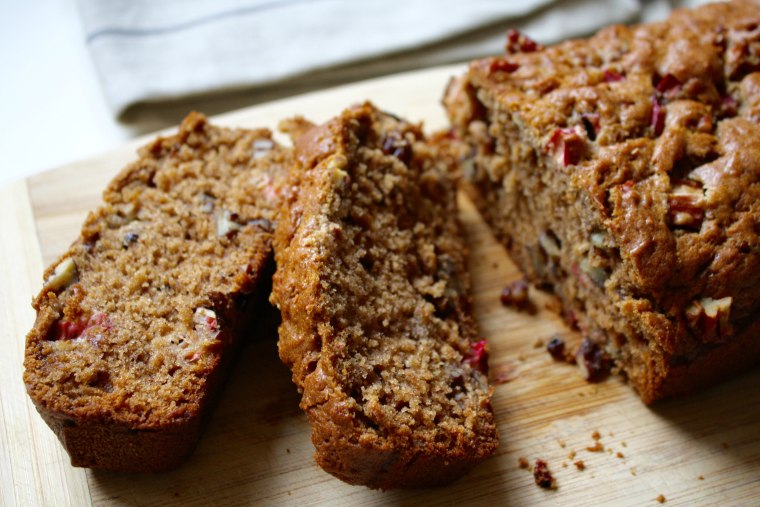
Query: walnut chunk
x=65 y=274
x=686 y=205
x=261 y=147
x=227 y=224
x=710 y=318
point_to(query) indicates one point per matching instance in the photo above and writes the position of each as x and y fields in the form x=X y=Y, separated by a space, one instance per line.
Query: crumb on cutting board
x=543 y=476
x=597 y=447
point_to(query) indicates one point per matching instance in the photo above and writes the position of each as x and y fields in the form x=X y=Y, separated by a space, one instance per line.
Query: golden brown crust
x=623 y=170
x=375 y=301
x=138 y=323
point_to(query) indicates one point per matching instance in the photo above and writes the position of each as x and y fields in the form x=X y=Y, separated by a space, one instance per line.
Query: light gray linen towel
x=153 y=50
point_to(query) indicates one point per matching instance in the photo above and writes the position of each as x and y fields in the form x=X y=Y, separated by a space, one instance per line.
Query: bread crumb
x=287 y=450
x=539 y=343
x=522 y=462
x=597 y=447
x=595 y=435
x=543 y=476
x=562 y=443
x=612 y=434
x=661 y=498
x=623 y=444
x=633 y=472
x=564 y=464
x=521 y=356
x=571 y=455
x=701 y=477
x=580 y=465
x=620 y=455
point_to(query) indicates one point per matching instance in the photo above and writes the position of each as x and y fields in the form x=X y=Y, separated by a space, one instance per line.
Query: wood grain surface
x=701 y=450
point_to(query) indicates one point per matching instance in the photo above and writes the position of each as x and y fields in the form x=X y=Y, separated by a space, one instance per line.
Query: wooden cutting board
x=702 y=450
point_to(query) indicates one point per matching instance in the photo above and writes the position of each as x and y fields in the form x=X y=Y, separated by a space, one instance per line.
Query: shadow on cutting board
x=257 y=419
x=725 y=419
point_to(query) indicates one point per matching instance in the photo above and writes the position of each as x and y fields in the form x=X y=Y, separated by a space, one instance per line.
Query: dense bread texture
x=375 y=299
x=137 y=323
x=624 y=172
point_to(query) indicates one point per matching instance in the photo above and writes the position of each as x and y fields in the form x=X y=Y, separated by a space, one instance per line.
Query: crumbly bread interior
x=137 y=314
x=374 y=292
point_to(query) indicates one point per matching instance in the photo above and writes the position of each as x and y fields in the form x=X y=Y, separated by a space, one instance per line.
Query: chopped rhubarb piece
x=501 y=65
x=667 y=83
x=67 y=330
x=478 y=356
x=71 y=330
x=567 y=145
x=610 y=76
x=728 y=106
x=517 y=42
x=206 y=323
x=658 y=117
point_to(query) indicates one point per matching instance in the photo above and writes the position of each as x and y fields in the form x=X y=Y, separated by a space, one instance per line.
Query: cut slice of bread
x=375 y=300
x=138 y=322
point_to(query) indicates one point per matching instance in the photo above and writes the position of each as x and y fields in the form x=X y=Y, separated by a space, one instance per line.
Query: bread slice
x=138 y=322
x=623 y=171
x=375 y=298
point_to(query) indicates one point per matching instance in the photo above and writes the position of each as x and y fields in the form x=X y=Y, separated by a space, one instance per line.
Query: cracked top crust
x=657 y=127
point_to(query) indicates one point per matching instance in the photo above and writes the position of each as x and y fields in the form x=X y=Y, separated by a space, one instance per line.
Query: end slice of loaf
x=138 y=321
x=624 y=172
x=375 y=298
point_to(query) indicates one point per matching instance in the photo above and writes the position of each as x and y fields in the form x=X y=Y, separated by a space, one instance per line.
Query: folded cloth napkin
x=153 y=50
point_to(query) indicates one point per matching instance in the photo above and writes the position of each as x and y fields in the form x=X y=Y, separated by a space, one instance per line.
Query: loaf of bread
x=139 y=321
x=375 y=299
x=623 y=171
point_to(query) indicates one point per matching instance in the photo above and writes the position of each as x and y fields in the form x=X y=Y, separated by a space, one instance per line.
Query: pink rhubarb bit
x=566 y=145
x=658 y=117
x=478 y=356
x=191 y=358
x=68 y=330
x=517 y=42
x=501 y=65
x=728 y=105
x=610 y=76
x=667 y=83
